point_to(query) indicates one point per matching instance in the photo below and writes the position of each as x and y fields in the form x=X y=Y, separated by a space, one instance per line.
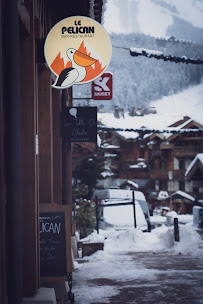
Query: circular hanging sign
x=77 y=50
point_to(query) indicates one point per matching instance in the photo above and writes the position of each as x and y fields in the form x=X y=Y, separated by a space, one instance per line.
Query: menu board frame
x=56 y=210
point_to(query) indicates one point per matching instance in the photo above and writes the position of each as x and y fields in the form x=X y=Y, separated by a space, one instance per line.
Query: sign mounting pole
x=67 y=188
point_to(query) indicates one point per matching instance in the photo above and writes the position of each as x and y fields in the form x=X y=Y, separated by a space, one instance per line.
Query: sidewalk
x=145 y=277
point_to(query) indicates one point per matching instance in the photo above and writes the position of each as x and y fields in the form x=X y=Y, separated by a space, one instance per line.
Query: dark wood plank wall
x=45 y=136
x=29 y=160
x=2 y=180
x=57 y=147
x=40 y=108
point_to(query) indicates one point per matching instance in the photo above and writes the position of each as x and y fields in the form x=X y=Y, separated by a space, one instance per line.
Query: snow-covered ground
x=160 y=238
x=114 y=263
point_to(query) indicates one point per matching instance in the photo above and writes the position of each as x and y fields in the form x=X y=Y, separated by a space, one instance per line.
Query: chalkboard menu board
x=79 y=124
x=54 y=242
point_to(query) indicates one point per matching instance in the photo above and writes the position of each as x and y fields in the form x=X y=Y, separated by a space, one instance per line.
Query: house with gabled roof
x=160 y=157
x=194 y=175
x=180 y=201
x=195 y=170
x=174 y=155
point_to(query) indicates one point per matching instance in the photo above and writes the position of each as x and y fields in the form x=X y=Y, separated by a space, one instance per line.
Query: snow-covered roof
x=183 y=194
x=117 y=194
x=108 y=146
x=139 y=165
x=197 y=157
x=110 y=155
x=157 y=121
x=162 y=195
x=197 y=160
x=106 y=174
x=132 y=183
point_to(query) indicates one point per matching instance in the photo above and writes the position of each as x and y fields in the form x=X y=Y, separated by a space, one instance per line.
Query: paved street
x=145 y=277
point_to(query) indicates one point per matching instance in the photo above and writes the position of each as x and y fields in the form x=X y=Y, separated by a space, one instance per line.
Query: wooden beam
x=12 y=139
x=29 y=164
x=192 y=138
x=24 y=15
x=2 y=183
x=57 y=146
x=45 y=135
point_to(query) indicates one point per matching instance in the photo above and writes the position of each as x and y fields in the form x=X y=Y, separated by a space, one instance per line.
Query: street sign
x=77 y=50
x=79 y=124
x=102 y=87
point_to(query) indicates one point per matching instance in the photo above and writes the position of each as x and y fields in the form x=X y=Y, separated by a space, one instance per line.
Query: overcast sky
x=151 y=17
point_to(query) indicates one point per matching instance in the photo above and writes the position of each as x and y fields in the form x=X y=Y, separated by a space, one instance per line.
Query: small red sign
x=102 y=87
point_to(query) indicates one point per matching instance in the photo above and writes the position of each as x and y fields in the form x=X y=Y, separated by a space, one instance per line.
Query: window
x=163 y=164
x=182 y=185
x=196 y=190
x=176 y=164
x=141 y=153
x=170 y=186
x=181 y=164
x=163 y=185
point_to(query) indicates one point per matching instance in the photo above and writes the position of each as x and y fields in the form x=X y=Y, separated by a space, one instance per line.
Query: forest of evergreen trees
x=139 y=80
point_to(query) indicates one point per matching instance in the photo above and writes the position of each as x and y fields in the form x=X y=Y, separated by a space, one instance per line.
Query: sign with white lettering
x=79 y=124
x=52 y=244
x=77 y=50
x=102 y=87
x=55 y=244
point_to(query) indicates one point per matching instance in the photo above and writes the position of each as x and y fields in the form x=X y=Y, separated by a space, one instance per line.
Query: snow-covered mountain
x=182 y=19
x=137 y=81
x=169 y=109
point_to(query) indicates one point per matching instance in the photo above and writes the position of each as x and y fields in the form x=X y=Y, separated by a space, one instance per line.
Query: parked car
x=122 y=215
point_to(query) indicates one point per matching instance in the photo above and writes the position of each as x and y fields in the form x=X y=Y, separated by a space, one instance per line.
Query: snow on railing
x=147 y=130
x=159 y=55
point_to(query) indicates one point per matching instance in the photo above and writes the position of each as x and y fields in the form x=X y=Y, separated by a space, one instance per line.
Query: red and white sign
x=102 y=87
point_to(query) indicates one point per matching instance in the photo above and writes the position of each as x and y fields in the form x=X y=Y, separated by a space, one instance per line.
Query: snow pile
x=190 y=241
x=185 y=218
x=135 y=240
x=160 y=239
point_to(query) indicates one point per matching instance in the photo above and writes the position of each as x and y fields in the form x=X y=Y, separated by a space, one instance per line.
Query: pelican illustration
x=77 y=72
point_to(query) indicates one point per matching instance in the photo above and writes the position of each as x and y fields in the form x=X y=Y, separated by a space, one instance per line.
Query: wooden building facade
x=31 y=149
x=157 y=162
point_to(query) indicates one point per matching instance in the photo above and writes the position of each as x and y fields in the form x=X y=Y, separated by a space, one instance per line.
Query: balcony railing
x=181 y=151
x=164 y=174
x=177 y=150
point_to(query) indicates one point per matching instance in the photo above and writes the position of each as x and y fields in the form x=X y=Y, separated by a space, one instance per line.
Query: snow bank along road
x=163 y=272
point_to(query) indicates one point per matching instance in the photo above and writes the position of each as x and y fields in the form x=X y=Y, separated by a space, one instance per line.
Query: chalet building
x=33 y=157
x=81 y=152
x=194 y=174
x=180 y=202
x=157 y=161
